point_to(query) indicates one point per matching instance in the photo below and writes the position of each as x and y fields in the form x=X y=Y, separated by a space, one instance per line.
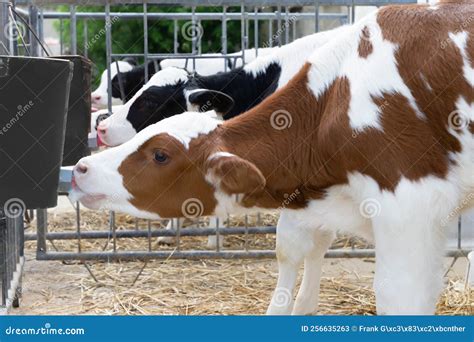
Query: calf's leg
x=307 y=299
x=409 y=253
x=294 y=242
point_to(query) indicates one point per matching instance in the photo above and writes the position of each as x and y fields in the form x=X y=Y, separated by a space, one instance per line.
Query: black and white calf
x=173 y=91
x=126 y=83
x=99 y=96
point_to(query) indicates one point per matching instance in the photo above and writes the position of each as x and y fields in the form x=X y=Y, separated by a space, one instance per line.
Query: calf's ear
x=234 y=175
x=207 y=100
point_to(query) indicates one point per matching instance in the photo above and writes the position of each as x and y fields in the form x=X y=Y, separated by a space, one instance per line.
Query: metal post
x=42 y=230
x=145 y=39
x=4 y=22
x=86 y=38
x=224 y=34
x=316 y=16
x=73 y=30
x=34 y=46
x=108 y=48
x=3 y=260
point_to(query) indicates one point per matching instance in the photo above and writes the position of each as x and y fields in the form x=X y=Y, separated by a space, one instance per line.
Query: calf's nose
x=81 y=168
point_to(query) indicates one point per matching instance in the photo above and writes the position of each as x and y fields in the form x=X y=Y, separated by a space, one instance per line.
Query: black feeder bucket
x=34 y=96
x=79 y=111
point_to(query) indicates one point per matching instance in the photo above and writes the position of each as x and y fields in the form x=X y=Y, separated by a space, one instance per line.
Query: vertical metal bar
x=175 y=36
x=459 y=232
x=287 y=25
x=145 y=39
x=42 y=230
x=114 y=230
x=4 y=22
x=246 y=241
x=255 y=31
x=149 y=235
x=352 y=12
x=270 y=32
x=224 y=34
x=242 y=31
x=61 y=38
x=41 y=28
x=194 y=37
x=33 y=16
x=178 y=234
x=78 y=226
x=108 y=49
x=316 y=15
x=3 y=259
x=279 y=24
x=73 y=29
x=199 y=40
x=86 y=38
x=218 y=235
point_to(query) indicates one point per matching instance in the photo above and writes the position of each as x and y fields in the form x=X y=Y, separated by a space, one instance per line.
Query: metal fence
x=273 y=22
x=11 y=260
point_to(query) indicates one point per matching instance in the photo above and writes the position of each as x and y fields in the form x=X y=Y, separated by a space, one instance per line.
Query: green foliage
x=127 y=35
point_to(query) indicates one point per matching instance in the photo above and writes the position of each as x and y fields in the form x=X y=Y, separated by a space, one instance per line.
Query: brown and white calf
x=373 y=136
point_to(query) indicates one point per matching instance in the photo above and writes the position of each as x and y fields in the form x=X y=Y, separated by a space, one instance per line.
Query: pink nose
x=96 y=97
x=80 y=168
x=102 y=128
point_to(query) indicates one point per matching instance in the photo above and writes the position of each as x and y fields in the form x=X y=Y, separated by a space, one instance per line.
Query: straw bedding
x=202 y=287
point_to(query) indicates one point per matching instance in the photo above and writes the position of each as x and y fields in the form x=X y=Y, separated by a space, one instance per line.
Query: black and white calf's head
x=160 y=98
x=99 y=96
x=227 y=93
x=125 y=84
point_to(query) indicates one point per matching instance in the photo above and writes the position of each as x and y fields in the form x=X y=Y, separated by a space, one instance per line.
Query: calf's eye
x=160 y=157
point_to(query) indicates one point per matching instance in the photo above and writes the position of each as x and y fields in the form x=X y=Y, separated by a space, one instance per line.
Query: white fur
x=291 y=57
x=340 y=58
x=460 y=39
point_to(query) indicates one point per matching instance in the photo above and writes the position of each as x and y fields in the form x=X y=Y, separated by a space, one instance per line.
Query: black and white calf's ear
x=130 y=60
x=234 y=175
x=205 y=100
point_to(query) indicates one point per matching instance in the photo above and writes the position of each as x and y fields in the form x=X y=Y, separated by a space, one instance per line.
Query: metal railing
x=11 y=260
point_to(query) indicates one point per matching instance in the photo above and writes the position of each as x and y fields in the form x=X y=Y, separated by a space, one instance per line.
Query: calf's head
x=169 y=92
x=161 y=97
x=99 y=96
x=174 y=168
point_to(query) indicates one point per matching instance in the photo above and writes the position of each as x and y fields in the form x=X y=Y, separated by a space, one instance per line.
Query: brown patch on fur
x=160 y=188
x=365 y=46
